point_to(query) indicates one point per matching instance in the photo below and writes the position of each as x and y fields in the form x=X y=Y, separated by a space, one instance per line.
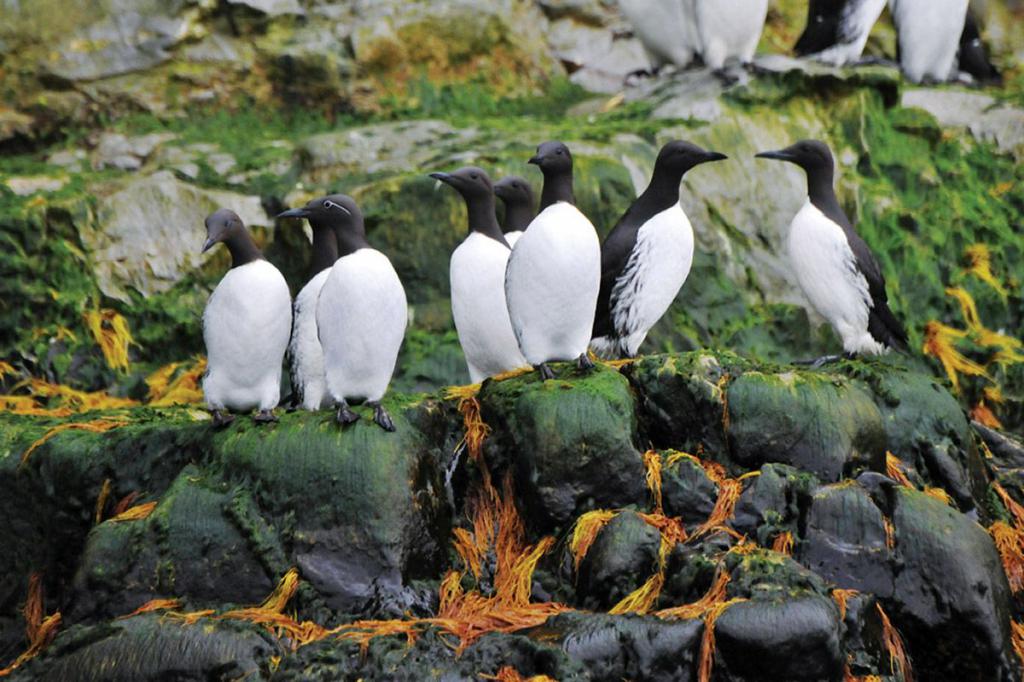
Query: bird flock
x=937 y=40
x=543 y=290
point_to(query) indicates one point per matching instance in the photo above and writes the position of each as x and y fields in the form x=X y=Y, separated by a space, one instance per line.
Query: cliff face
x=698 y=510
x=682 y=511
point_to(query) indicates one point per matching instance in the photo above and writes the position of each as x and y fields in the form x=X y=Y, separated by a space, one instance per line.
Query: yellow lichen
x=110 y=330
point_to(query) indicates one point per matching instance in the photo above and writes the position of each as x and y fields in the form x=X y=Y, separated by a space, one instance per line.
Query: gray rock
x=71 y=159
x=25 y=185
x=392 y=147
x=13 y=123
x=272 y=7
x=148 y=232
x=115 y=150
x=981 y=115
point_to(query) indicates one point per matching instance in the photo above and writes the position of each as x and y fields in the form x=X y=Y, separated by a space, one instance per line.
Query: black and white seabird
x=837 y=30
x=729 y=29
x=928 y=36
x=478 y=281
x=361 y=313
x=667 y=30
x=246 y=326
x=554 y=272
x=647 y=256
x=973 y=59
x=517 y=195
x=306 y=357
x=833 y=265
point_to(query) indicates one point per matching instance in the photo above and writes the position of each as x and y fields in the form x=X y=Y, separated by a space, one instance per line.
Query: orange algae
x=39 y=629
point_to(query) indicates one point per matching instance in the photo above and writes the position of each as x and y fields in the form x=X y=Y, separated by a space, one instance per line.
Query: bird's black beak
x=781 y=155
x=535 y=159
x=714 y=156
x=294 y=213
x=446 y=178
x=208 y=244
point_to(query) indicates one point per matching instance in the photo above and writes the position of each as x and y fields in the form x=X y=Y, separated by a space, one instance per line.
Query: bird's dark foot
x=345 y=415
x=222 y=419
x=584 y=362
x=826 y=360
x=264 y=417
x=544 y=371
x=381 y=418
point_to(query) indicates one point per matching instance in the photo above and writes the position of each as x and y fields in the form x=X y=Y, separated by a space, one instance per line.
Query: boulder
x=624 y=555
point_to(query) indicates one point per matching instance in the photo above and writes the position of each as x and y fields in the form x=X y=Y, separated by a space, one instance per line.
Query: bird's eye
x=474 y=176
x=327 y=203
x=559 y=152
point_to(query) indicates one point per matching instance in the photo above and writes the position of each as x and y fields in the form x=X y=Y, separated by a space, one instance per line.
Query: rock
x=197 y=545
x=115 y=150
x=790 y=639
x=951 y=600
x=26 y=185
x=272 y=8
x=613 y=648
x=391 y=147
x=149 y=647
x=773 y=502
x=13 y=123
x=573 y=443
x=980 y=114
x=312 y=67
x=844 y=540
x=623 y=556
x=135 y=38
x=687 y=492
x=148 y=232
x=71 y=159
x=817 y=423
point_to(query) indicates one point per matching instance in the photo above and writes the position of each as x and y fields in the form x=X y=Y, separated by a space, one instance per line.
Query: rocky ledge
x=683 y=517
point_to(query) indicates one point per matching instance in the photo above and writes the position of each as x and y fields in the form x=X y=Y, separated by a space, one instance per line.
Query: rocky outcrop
x=376 y=524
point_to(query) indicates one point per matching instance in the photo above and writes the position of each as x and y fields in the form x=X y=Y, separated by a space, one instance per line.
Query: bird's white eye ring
x=330 y=204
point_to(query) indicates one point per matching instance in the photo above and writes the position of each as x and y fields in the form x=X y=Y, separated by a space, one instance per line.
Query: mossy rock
x=150 y=647
x=687 y=492
x=818 y=423
x=773 y=502
x=570 y=443
x=188 y=548
x=624 y=555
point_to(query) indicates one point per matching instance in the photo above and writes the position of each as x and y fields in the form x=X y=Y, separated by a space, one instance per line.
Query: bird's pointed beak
x=208 y=244
x=443 y=177
x=294 y=213
x=780 y=155
x=714 y=156
x=535 y=160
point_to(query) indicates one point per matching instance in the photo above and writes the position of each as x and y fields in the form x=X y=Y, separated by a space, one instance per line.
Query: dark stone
x=772 y=502
x=687 y=492
x=614 y=648
x=844 y=540
x=622 y=558
x=951 y=601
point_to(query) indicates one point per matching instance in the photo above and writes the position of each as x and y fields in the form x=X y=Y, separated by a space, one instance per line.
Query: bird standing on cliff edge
x=834 y=267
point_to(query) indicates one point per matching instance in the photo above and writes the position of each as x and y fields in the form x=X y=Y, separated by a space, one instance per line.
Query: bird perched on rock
x=246 y=326
x=729 y=29
x=837 y=30
x=834 y=267
x=517 y=195
x=478 y=281
x=309 y=383
x=928 y=36
x=667 y=30
x=554 y=272
x=361 y=313
x=646 y=257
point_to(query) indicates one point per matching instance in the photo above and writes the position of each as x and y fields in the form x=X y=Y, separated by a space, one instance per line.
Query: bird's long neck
x=351 y=237
x=518 y=214
x=662 y=193
x=822 y=194
x=243 y=249
x=482 y=217
x=557 y=187
x=325 y=249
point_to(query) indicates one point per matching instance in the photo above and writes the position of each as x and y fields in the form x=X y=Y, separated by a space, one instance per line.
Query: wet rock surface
x=366 y=518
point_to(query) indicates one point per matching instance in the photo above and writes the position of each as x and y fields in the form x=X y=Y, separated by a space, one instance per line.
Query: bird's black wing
x=973 y=58
x=822 y=30
x=882 y=323
x=615 y=252
x=293 y=360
